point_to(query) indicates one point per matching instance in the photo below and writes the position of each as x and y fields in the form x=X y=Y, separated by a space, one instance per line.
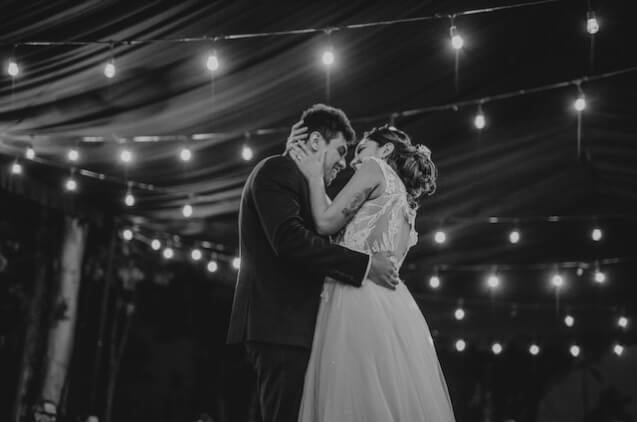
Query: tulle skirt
x=373 y=359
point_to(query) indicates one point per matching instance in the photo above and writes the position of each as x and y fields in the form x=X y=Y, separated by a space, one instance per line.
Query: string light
x=618 y=349
x=479 y=121
x=168 y=253
x=236 y=263
x=212 y=62
x=196 y=254
x=534 y=349
x=456 y=40
x=461 y=345
x=600 y=277
x=246 y=153
x=129 y=199
x=127 y=234
x=73 y=155
x=185 y=154
x=16 y=168
x=71 y=184
x=496 y=348
x=187 y=210
x=596 y=234
x=125 y=156
x=434 y=282
x=592 y=26
x=440 y=237
x=30 y=153
x=514 y=236
x=622 y=321
x=493 y=282
x=155 y=244
x=580 y=103
x=569 y=321
x=12 y=68
x=574 y=350
x=557 y=281
x=109 y=69
x=328 y=57
x=459 y=314
x=212 y=266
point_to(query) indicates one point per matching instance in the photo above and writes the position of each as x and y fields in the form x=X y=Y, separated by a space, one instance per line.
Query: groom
x=284 y=263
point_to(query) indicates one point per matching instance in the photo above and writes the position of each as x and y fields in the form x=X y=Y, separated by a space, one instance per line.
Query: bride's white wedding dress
x=373 y=357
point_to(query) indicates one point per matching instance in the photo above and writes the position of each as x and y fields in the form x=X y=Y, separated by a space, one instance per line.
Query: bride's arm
x=331 y=217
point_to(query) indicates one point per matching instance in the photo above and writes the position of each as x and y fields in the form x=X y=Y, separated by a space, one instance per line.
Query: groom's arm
x=276 y=195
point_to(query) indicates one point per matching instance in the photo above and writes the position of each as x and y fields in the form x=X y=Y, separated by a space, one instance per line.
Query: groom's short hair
x=328 y=121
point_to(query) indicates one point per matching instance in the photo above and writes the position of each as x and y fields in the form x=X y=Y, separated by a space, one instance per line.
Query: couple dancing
x=332 y=332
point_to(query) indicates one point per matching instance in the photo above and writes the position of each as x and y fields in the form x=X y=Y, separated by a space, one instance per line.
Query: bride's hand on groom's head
x=298 y=134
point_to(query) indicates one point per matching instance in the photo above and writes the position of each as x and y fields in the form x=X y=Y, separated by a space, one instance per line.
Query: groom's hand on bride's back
x=383 y=271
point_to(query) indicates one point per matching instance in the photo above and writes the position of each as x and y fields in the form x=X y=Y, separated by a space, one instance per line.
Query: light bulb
x=480 y=121
x=456 y=40
x=496 y=348
x=155 y=244
x=461 y=345
x=600 y=277
x=434 y=282
x=168 y=253
x=16 y=168
x=246 y=153
x=514 y=236
x=618 y=349
x=212 y=266
x=580 y=103
x=196 y=254
x=73 y=155
x=569 y=321
x=185 y=154
x=574 y=350
x=592 y=26
x=493 y=281
x=534 y=349
x=187 y=210
x=127 y=234
x=212 y=63
x=596 y=234
x=328 y=57
x=440 y=237
x=622 y=321
x=129 y=200
x=109 y=70
x=459 y=314
x=126 y=156
x=70 y=185
x=236 y=263
x=30 y=153
x=557 y=281
x=13 y=69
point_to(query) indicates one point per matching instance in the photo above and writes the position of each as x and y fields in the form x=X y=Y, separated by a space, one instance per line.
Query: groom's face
x=335 y=153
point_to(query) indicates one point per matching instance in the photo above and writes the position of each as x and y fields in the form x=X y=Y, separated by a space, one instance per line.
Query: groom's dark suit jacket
x=283 y=260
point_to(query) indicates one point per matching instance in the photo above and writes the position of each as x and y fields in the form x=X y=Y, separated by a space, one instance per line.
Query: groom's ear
x=314 y=141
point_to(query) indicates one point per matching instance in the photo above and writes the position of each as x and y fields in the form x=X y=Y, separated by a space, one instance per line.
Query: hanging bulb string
x=302 y=31
x=533 y=267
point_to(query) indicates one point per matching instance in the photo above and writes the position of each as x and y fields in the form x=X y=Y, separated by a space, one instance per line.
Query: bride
x=373 y=357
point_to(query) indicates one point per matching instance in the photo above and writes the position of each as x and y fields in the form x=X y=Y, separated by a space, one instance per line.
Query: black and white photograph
x=251 y=211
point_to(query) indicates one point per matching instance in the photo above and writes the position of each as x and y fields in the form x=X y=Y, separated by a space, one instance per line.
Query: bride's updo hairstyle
x=412 y=163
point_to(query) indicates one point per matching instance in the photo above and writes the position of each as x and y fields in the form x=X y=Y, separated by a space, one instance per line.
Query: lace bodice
x=385 y=223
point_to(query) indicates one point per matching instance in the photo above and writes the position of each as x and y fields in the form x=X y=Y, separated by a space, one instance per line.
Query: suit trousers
x=280 y=371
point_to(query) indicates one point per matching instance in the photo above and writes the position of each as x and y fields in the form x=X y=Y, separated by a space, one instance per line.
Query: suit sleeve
x=277 y=197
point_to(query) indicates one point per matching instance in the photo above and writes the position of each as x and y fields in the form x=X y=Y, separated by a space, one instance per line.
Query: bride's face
x=365 y=148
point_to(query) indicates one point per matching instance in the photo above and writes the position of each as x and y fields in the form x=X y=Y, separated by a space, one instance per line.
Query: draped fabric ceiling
x=523 y=164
